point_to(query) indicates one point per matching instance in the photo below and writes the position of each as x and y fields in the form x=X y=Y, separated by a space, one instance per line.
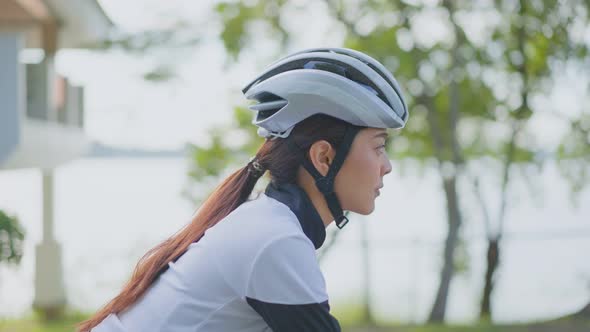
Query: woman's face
x=361 y=176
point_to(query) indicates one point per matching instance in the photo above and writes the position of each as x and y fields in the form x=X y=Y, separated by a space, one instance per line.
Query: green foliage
x=574 y=154
x=212 y=160
x=576 y=144
x=461 y=258
x=159 y=74
x=11 y=239
x=238 y=17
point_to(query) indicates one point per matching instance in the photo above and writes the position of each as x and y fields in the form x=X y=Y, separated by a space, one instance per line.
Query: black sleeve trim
x=296 y=317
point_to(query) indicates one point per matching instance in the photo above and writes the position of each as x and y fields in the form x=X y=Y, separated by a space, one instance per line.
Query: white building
x=41 y=114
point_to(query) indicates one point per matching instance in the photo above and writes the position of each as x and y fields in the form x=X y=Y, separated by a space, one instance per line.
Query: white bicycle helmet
x=338 y=82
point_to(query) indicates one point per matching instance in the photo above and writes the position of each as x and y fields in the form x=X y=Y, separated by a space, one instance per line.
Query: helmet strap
x=325 y=184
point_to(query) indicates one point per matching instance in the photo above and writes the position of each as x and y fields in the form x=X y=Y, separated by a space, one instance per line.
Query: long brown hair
x=275 y=155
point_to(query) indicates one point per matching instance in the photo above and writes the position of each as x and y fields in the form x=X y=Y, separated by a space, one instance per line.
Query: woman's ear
x=321 y=155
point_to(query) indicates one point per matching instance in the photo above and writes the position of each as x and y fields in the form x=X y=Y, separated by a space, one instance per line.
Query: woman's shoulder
x=251 y=227
x=255 y=234
x=263 y=217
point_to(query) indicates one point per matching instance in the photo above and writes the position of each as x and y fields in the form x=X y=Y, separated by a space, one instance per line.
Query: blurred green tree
x=536 y=43
x=11 y=239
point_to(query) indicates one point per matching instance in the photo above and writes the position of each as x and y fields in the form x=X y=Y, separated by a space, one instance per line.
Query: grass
x=553 y=326
x=350 y=314
x=35 y=324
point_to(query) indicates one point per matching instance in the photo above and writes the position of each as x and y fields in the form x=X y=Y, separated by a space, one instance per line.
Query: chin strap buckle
x=341 y=221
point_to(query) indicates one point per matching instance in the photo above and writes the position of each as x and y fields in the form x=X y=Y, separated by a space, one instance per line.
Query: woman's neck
x=306 y=182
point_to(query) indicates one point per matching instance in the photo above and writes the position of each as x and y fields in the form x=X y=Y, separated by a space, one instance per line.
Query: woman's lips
x=378 y=190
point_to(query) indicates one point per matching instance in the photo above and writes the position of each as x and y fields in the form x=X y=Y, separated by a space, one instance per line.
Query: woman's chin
x=365 y=211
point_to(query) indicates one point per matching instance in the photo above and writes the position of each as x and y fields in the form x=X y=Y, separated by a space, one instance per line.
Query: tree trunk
x=367 y=312
x=437 y=314
x=493 y=260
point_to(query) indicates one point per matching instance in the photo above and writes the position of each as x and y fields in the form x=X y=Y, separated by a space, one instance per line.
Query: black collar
x=298 y=201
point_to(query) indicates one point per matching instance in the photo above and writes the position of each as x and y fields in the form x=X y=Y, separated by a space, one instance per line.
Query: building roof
x=56 y=24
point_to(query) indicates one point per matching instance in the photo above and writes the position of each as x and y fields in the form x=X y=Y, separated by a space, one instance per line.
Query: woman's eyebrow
x=382 y=134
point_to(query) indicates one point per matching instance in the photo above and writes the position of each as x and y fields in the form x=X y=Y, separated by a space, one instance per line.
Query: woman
x=250 y=265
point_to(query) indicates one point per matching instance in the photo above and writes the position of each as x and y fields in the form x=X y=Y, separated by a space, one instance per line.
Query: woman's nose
x=387 y=167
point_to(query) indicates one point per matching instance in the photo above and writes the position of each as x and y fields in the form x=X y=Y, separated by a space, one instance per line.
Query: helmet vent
x=268 y=104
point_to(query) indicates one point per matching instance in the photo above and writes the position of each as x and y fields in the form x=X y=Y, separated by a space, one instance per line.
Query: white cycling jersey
x=256 y=270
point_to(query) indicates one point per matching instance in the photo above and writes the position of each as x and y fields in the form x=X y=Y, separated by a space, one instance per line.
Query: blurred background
x=117 y=118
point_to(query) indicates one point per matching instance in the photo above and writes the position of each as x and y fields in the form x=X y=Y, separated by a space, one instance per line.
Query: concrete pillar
x=12 y=92
x=50 y=297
